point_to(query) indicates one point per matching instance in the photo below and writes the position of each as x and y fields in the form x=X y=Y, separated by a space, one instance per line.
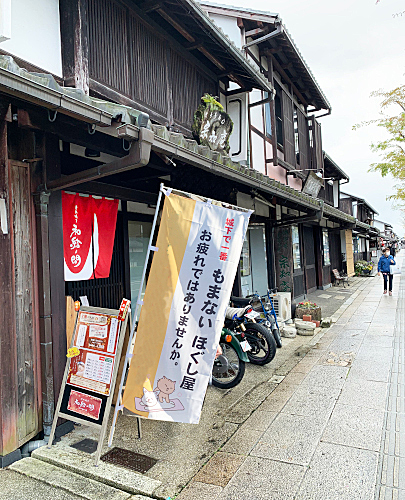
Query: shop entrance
x=253 y=262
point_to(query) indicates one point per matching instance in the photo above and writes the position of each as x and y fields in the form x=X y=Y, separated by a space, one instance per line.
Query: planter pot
x=315 y=313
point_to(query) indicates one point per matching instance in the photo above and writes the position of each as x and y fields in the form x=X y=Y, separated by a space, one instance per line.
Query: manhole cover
x=86 y=445
x=129 y=459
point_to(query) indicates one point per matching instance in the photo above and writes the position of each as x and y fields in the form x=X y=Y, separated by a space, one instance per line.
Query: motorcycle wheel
x=228 y=369
x=277 y=337
x=262 y=343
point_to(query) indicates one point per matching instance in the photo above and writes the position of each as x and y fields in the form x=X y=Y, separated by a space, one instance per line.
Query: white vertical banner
x=192 y=274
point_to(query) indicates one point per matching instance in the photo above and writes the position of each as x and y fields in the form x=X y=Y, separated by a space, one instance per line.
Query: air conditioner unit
x=282 y=305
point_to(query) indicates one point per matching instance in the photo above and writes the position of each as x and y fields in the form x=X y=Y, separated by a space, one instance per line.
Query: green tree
x=392 y=149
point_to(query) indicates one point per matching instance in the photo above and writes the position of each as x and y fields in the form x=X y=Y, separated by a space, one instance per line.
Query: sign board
x=88 y=383
x=189 y=285
x=313 y=185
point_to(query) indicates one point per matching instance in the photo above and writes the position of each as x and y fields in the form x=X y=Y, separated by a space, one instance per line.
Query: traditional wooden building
x=106 y=109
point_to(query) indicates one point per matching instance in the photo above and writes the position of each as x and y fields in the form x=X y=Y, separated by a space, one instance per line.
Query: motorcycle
x=229 y=365
x=268 y=315
x=243 y=321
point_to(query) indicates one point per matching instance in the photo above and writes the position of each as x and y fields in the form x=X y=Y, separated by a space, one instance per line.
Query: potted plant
x=363 y=268
x=308 y=308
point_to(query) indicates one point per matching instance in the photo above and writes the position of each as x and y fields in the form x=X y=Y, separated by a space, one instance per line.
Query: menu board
x=96 y=337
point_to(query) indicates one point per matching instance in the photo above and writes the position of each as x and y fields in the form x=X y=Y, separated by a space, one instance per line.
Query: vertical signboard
x=91 y=369
x=189 y=285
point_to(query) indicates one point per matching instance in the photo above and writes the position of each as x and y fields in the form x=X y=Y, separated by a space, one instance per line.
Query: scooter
x=229 y=366
x=243 y=321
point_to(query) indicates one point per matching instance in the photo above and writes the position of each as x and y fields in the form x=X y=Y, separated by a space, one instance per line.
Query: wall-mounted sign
x=212 y=126
x=313 y=185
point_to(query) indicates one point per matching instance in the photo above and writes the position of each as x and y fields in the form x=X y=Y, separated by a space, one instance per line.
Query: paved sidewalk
x=335 y=427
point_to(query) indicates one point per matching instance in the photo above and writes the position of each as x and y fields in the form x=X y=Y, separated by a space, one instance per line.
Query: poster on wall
x=88 y=236
x=190 y=282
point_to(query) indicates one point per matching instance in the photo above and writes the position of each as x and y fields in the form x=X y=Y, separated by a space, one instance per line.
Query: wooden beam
x=114 y=191
x=239 y=22
x=193 y=45
x=176 y=25
x=151 y=5
x=213 y=59
x=70 y=131
x=257 y=31
x=278 y=68
x=75 y=43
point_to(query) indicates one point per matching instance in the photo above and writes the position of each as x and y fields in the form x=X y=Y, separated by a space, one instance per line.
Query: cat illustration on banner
x=159 y=399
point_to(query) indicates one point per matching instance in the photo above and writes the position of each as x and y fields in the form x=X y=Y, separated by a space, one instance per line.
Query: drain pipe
x=29 y=447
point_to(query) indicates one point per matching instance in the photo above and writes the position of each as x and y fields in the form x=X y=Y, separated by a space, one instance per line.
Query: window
x=245 y=257
x=279 y=116
x=326 y=250
x=296 y=136
x=267 y=115
x=296 y=247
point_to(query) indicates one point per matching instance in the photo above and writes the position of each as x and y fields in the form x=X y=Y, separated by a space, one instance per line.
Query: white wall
x=229 y=27
x=35 y=33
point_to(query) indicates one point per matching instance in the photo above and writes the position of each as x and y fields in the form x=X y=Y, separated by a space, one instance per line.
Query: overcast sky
x=352 y=47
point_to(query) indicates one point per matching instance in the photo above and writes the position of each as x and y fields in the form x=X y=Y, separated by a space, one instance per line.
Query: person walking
x=386 y=260
x=393 y=249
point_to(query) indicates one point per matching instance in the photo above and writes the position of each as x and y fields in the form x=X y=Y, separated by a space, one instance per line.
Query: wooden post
x=44 y=306
x=75 y=43
x=8 y=347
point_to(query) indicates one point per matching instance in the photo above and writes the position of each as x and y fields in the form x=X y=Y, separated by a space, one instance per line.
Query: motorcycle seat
x=238 y=311
x=240 y=301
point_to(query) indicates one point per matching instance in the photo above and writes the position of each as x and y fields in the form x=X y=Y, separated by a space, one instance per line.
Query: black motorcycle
x=242 y=321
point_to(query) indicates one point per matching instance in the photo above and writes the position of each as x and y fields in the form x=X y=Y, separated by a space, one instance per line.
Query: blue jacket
x=384 y=263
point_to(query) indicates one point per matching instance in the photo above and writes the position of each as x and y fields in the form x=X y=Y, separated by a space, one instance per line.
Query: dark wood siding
x=288 y=130
x=28 y=424
x=130 y=57
x=187 y=97
x=303 y=140
x=108 y=61
x=148 y=67
x=317 y=153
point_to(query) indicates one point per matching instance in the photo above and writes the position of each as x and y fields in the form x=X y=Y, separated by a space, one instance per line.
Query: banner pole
x=137 y=309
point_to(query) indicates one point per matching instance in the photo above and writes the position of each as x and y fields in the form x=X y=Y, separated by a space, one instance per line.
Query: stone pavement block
x=15 y=486
x=387 y=330
x=306 y=403
x=375 y=354
x=290 y=438
x=362 y=369
x=259 y=479
x=82 y=463
x=326 y=379
x=277 y=399
x=393 y=473
x=366 y=393
x=259 y=420
x=250 y=402
x=355 y=426
x=378 y=341
x=243 y=441
x=68 y=481
x=200 y=491
x=347 y=344
x=220 y=469
x=339 y=473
